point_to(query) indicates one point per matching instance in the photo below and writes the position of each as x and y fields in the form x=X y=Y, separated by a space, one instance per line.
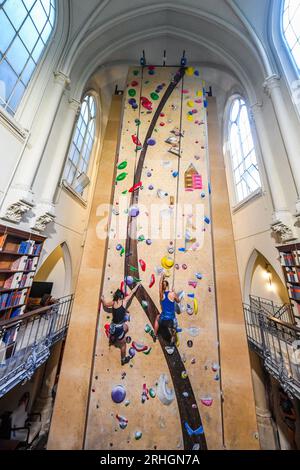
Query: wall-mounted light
x=268 y=276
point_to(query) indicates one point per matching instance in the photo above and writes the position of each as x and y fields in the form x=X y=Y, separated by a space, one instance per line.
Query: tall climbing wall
x=165 y=398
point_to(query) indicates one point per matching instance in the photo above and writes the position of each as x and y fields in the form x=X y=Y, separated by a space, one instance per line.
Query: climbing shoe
x=125 y=360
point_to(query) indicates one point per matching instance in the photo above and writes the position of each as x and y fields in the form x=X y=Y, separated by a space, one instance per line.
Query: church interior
x=149 y=225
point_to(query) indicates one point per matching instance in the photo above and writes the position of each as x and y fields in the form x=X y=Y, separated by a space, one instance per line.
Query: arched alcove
x=57 y=268
x=262 y=280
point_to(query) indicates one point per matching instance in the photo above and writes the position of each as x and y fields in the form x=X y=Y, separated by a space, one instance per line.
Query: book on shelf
x=13 y=281
x=287 y=259
x=26 y=247
x=19 y=263
x=16 y=312
x=295 y=292
x=2 y=241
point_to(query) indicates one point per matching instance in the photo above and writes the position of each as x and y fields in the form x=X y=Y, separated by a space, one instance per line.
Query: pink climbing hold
x=193 y=284
x=206 y=401
x=139 y=347
x=142 y=265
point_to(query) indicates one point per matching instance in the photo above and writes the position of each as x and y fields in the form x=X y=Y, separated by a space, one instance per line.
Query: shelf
x=9 y=289
x=291 y=266
x=9 y=308
x=15 y=253
x=17 y=271
x=296 y=283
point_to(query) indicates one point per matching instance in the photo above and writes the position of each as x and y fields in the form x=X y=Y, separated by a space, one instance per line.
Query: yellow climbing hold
x=190 y=104
x=190 y=71
x=199 y=93
x=190 y=117
x=167 y=273
x=167 y=262
x=195 y=306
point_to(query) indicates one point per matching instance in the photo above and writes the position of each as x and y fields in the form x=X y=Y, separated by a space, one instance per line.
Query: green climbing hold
x=122 y=252
x=131 y=92
x=122 y=166
x=137 y=121
x=141 y=238
x=154 y=96
x=135 y=72
x=136 y=279
x=132 y=268
x=125 y=192
x=152 y=393
x=121 y=176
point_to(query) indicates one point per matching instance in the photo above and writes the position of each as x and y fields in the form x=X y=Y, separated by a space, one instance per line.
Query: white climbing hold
x=164 y=393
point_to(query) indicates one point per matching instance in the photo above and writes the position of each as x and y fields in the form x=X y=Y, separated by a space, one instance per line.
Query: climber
x=166 y=321
x=119 y=327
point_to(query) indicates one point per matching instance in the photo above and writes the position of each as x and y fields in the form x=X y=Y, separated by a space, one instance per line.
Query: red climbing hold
x=122 y=287
x=146 y=103
x=142 y=265
x=135 y=187
x=134 y=83
x=106 y=328
x=152 y=281
x=135 y=140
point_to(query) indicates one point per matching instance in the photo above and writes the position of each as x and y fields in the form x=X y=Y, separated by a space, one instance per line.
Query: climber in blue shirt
x=166 y=321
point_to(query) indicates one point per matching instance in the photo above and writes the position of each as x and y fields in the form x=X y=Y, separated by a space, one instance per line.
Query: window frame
x=13 y=117
x=64 y=183
x=288 y=49
x=236 y=203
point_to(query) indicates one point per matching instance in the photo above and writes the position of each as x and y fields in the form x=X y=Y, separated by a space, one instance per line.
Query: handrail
x=26 y=341
x=276 y=320
x=32 y=313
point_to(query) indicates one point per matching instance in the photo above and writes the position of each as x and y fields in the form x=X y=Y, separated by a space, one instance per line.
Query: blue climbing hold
x=207 y=220
x=191 y=432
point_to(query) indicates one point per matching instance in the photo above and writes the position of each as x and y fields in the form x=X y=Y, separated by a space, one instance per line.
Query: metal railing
x=281 y=312
x=25 y=341
x=276 y=342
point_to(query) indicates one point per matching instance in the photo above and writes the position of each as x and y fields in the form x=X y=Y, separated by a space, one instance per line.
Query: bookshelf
x=19 y=256
x=290 y=262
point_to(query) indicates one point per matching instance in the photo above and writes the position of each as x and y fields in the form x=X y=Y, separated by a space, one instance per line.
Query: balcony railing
x=276 y=342
x=25 y=341
x=281 y=312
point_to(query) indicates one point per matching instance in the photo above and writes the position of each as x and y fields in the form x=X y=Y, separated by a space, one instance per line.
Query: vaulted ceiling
x=224 y=35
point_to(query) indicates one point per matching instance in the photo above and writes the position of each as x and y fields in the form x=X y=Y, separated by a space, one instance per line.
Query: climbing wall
x=160 y=222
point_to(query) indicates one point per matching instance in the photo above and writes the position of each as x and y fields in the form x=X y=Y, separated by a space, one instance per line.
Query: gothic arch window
x=25 y=29
x=242 y=151
x=80 y=150
x=291 y=29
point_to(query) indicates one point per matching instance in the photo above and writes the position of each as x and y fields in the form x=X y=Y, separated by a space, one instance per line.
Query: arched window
x=25 y=27
x=81 y=145
x=291 y=29
x=243 y=157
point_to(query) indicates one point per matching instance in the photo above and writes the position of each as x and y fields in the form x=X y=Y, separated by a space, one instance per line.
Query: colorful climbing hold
x=135 y=140
x=118 y=394
x=121 y=176
x=151 y=142
x=132 y=92
x=142 y=265
x=135 y=187
x=122 y=165
x=134 y=211
x=154 y=96
x=139 y=347
x=167 y=262
x=152 y=281
x=138 y=435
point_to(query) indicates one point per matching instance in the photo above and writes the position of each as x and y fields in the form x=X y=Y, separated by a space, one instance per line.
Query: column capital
x=270 y=83
x=61 y=78
x=74 y=104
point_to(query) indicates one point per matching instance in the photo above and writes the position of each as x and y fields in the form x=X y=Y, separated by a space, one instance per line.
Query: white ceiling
x=219 y=34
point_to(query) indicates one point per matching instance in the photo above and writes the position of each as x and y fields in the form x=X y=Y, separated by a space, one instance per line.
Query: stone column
x=20 y=198
x=282 y=219
x=45 y=210
x=44 y=401
x=288 y=132
x=265 y=424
